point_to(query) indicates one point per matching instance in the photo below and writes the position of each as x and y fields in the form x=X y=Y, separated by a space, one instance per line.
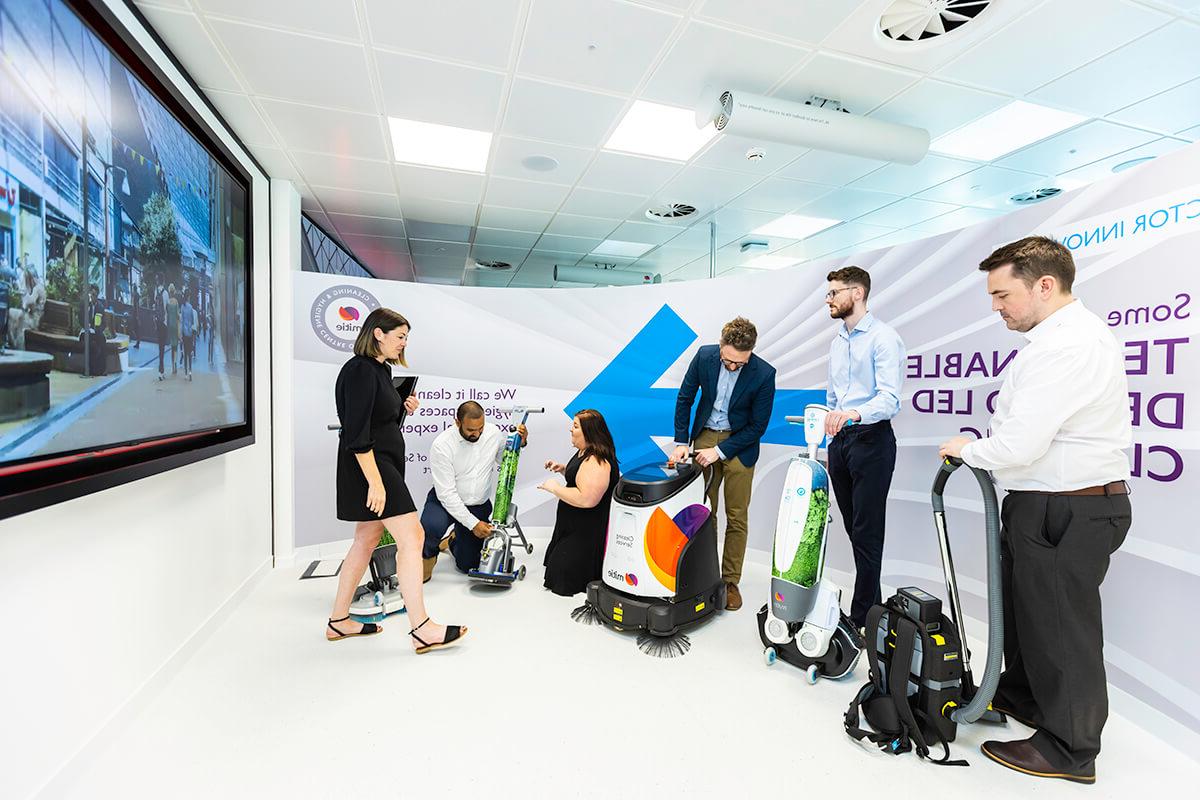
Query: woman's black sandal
x=454 y=633
x=368 y=629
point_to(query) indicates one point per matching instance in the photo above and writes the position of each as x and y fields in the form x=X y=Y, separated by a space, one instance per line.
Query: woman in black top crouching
x=370 y=480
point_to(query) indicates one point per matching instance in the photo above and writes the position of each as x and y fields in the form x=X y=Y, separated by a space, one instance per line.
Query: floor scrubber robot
x=496 y=558
x=661 y=572
x=803 y=623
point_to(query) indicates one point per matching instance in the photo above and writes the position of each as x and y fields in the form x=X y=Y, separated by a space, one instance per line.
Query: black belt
x=1107 y=490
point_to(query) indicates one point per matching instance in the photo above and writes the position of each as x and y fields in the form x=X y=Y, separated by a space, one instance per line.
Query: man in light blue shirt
x=866 y=368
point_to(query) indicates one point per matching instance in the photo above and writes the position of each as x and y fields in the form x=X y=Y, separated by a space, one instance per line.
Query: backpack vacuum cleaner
x=496 y=560
x=921 y=686
x=803 y=623
x=661 y=572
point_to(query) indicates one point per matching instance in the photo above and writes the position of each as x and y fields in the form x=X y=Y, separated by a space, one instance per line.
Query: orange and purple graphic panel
x=665 y=539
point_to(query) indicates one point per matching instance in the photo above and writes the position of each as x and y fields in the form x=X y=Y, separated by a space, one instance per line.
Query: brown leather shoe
x=429 y=564
x=1022 y=756
x=999 y=706
x=733 y=598
x=445 y=543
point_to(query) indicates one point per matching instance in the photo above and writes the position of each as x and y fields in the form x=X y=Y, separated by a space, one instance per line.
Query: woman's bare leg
x=366 y=537
x=410 y=536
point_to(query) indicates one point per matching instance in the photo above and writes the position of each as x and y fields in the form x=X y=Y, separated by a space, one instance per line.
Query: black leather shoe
x=1022 y=756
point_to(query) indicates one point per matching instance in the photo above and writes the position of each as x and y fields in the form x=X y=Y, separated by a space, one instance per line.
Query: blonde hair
x=387 y=321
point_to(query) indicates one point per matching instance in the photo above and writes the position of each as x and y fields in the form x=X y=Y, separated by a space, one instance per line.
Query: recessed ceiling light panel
x=1004 y=130
x=652 y=129
x=431 y=145
x=795 y=226
x=615 y=247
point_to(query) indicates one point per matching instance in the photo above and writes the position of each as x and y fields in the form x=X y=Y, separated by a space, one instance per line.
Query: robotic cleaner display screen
x=123 y=250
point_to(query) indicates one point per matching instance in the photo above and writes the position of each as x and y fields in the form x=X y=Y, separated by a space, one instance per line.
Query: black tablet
x=405 y=385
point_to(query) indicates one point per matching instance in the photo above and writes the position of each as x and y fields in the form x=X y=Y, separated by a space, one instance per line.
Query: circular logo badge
x=800 y=492
x=631 y=579
x=338 y=313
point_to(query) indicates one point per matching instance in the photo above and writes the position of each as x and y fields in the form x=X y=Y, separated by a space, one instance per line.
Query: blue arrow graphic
x=623 y=392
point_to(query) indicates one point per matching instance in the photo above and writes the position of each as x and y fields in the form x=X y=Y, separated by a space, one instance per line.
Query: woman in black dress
x=575 y=554
x=370 y=480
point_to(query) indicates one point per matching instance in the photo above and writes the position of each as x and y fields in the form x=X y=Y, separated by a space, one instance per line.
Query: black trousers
x=435 y=519
x=861 y=461
x=1055 y=551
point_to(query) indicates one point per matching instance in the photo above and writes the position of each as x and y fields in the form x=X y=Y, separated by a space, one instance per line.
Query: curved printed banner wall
x=624 y=351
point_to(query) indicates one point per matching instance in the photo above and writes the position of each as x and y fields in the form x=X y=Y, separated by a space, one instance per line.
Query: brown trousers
x=737 y=478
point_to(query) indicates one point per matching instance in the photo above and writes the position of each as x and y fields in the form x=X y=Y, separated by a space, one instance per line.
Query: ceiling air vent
x=669 y=212
x=1035 y=196
x=493 y=264
x=907 y=21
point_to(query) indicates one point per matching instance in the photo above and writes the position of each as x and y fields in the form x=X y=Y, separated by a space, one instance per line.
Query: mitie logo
x=337 y=315
x=627 y=577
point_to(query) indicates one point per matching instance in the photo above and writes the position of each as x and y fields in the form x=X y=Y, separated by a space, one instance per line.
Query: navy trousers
x=435 y=519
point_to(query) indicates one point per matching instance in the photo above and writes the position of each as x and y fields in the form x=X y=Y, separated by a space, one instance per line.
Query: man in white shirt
x=463 y=462
x=1056 y=446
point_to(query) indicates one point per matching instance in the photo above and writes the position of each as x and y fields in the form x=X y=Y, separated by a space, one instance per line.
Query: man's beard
x=840 y=312
x=474 y=438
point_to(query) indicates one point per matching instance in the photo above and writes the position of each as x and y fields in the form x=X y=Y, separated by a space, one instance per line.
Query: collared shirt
x=866 y=369
x=718 y=420
x=1062 y=417
x=464 y=472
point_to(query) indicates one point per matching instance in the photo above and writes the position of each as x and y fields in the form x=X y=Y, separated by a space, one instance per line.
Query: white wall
x=100 y=593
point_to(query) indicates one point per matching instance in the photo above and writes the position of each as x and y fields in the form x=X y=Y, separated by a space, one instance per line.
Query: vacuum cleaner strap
x=906 y=633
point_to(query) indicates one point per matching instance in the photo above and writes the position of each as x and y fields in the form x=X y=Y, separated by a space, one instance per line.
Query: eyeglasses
x=832 y=293
x=734 y=365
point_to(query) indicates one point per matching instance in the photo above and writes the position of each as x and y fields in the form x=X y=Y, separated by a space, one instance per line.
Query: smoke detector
x=669 y=212
x=909 y=21
x=494 y=265
x=1035 y=195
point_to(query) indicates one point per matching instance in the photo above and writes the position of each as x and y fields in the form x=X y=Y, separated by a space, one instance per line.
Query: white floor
x=532 y=705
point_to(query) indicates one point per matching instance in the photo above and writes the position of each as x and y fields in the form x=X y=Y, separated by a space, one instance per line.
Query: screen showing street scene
x=122 y=252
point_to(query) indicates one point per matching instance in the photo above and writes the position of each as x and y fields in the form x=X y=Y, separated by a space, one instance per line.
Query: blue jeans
x=435 y=519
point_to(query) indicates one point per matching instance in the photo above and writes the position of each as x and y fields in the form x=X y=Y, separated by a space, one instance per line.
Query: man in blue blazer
x=737 y=392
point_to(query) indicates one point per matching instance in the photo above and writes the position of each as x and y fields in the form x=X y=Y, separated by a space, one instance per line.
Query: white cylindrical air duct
x=756 y=116
x=609 y=277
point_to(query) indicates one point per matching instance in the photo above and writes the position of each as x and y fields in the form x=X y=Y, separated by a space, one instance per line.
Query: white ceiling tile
x=418 y=184
x=1173 y=110
x=712 y=55
x=908 y=211
x=555 y=113
x=567 y=244
x=618 y=172
x=479 y=31
x=375 y=244
x=738 y=223
x=488 y=252
x=430 y=267
x=326 y=17
x=729 y=153
x=848 y=234
x=293 y=66
x=349 y=173
x=705 y=189
x=438 y=231
x=1076 y=147
x=326 y=131
x=605 y=44
x=986 y=186
x=595 y=203
x=575 y=225
x=645 y=233
x=1052 y=32
x=425 y=90
x=345 y=201
x=277 y=165
x=809 y=22
x=444 y=212
x=512 y=193
x=846 y=204
x=514 y=219
x=248 y=125
x=939 y=107
x=349 y=225
x=834 y=169
x=187 y=38
x=780 y=195
x=388 y=265
x=511 y=151
x=496 y=237
x=858 y=85
x=1126 y=76
x=904 y=179
x=427 y=247
x=960 y=218
x=1103 y=168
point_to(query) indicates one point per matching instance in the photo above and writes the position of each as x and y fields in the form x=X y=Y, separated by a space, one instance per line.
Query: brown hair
x=740 y=334
x=852 y=276
x=387 y=321
x=598 y=441
x=1032 y=258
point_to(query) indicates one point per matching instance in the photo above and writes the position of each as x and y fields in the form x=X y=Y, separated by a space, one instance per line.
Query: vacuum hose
x=995 y=644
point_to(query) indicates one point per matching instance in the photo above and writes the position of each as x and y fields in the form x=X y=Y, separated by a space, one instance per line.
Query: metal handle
x=336 y=427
